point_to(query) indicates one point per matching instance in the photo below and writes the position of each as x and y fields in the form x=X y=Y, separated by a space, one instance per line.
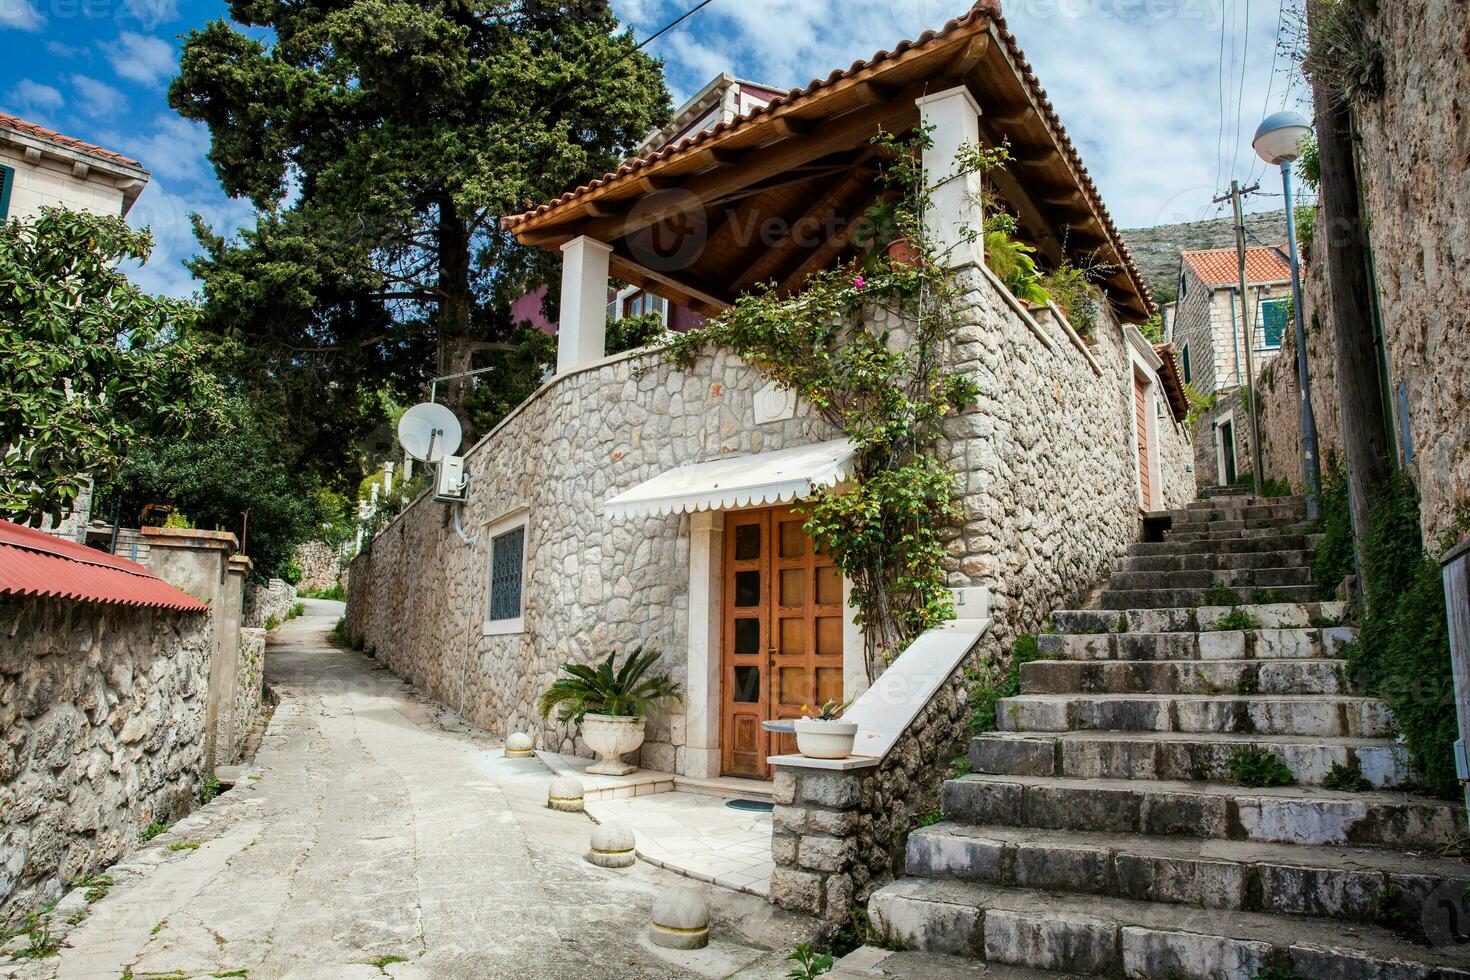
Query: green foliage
x=630 y=690
x=809 y=963
x=1071 y=289
x=297 y=609
x=152 y=830
x=1403 y=650
x=334 y=592
x=988 y=684
x=1276 y=486
x=863 y=929
x=1219 y=594
x=1257 y=768
x=1306 y=228
x=209 y=789
x=187 y=845
x=88 y=362
x=633 y=332
x=219 y=472
x=1011 y=261
x=401 y=131
x=41 y=944
x=1333 y=560
x=831 y=710
x=1199 y=405
x=1153 y=328
x=1236 y=619
x=290 y=571
x=1347 y=779
x=95 y=888
x=889 y=399
x=177 y=519
x=1309 y=164
x=1343 y=53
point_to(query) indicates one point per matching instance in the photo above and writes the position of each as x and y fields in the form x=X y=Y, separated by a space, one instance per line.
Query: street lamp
x=1278 y=142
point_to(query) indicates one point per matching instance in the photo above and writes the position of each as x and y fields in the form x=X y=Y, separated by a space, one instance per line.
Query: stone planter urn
x=818 y=739
x=610 y=736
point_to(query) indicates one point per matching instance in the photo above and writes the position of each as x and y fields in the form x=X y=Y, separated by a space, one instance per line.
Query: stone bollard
x=565 y=794
x=518 y=746
x=612 y=845
x=680 y=920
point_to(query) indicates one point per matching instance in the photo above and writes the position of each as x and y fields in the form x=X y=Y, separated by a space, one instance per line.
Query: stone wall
x=838 y=836
x=249 y=689
x=264 y=602
x=103 y=721
x=320 y=564
x=1047 y=467
x=1415 y=156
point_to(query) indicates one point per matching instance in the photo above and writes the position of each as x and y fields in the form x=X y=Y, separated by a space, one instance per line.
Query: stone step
x=1293 y=676
x=1251 y=510
x=1196 y=618
x=1215 y=595
x=1212 y=561
x=867 y=962
x=1218 y=811
x=1263 y=644
x=1228 y=530
x=1233 y=544
x=1257 y=714
x=1240 y=578
x=1358 y=884
x=1230 y=490
x=1189 y=756
x=1120 y=937
x=1248 y=500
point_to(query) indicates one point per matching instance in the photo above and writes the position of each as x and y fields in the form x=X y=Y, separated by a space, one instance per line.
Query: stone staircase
x=1101 y=833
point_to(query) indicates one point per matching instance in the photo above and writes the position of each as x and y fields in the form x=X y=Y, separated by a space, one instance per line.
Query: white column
x=582 y=333
x=955 y=116
x=702 y=707
x=854 y=655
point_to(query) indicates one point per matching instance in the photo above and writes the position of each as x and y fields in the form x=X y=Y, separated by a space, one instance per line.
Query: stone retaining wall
x=249 y=688
x=103 y=719
x=1046 y=462
x=264 y=602
x=839 y=836
x=321 y=567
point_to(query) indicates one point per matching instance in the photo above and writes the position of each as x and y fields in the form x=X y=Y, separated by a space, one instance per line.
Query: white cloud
x=97 y=98
x=21 y=15
x=165 y=211
x=34 y=100
x=174 y=148
x=1136 y=82
x=150 y=13
x=141 y=58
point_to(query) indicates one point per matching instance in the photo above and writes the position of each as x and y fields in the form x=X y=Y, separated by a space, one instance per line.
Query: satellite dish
x=429 y=432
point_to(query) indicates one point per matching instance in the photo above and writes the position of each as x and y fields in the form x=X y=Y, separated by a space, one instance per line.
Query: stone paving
x=376 y=835
x=697 y=836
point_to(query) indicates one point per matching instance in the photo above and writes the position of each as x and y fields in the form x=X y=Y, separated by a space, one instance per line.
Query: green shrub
x=336 y=593
x=291 y=571
x=987 y=685
x=1347 y=779
x=1219 y=594
x=151 y=831
x=297 y=609
x=1257 y=767
x=1403 y=650
x=1333 y=561
x=1275 y=486
x=809 y=963
x=208 y=790
x=1236 y=619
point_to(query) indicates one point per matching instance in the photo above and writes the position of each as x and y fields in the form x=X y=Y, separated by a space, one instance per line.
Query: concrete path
x=376 y=835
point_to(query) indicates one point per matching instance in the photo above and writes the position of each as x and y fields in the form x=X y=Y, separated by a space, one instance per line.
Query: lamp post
x=1278 y=141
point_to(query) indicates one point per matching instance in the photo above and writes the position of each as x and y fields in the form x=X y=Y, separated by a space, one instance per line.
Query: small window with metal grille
x=505 y=611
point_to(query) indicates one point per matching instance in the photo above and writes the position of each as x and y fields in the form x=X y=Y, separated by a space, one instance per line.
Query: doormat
x=755 y=806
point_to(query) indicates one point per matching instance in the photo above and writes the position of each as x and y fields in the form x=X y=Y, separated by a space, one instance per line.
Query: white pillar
x=582 y=333
x=854 y=648
x=955 y=116
x=702 y=709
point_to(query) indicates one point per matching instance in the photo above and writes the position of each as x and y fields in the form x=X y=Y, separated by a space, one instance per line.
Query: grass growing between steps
x=1257 y=768
x=1402 y=653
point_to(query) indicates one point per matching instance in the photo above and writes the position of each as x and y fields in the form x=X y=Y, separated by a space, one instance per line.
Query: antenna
x=429 y=432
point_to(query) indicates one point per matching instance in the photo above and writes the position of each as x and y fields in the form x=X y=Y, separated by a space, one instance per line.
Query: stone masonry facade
x=1046 y=461
x=103 y=715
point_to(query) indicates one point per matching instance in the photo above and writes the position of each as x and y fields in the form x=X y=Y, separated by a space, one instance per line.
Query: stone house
x=1205 y=327
x=43 y=168
x=632 y=502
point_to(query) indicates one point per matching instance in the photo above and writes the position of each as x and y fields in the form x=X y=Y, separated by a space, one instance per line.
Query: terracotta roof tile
x=27 y=128
x=1221 y=267
x=33 y=563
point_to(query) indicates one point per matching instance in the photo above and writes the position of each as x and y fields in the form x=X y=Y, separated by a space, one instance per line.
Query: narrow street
x=374 y=835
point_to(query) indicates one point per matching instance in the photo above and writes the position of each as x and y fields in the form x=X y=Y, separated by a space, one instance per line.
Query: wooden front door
x=1140 y=414
x=781 y=634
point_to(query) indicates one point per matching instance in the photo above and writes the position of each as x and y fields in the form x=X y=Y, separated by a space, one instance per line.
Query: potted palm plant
x=822 y=734
x=611 y=704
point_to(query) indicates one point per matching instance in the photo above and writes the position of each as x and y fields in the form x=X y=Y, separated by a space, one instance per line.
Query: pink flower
x=859 y=282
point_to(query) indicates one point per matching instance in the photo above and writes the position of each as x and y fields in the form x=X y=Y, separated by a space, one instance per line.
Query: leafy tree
x=87 y=360
x=400 y=131
x=219 y=473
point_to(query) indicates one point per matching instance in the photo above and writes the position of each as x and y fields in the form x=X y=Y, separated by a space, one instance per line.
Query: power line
x=1271 y=78
x=1245 y=48
x=602 y=73
x=1220 y=91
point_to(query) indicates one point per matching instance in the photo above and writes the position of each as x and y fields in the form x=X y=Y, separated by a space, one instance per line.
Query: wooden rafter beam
x=815 y=216
x=963 y=63
x=823 y=255
x=684 y=289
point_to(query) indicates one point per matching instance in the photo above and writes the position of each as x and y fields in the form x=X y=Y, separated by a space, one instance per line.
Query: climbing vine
x=864 y=344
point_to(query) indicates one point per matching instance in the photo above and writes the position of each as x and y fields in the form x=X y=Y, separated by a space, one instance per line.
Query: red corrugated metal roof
x=35 y=563
x=1221 y=266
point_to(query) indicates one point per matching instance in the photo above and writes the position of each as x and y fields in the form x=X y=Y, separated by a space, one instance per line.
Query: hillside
x=1156 y=249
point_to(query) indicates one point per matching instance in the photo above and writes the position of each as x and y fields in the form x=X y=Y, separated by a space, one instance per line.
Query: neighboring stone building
x=41 y=168
x=630 y=501
x=1208 y=334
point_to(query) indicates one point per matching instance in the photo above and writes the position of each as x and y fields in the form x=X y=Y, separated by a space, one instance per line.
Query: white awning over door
x=738 y=481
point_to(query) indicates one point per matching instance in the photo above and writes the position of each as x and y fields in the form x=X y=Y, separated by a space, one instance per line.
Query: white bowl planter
x=818 y=739
x=610 y=736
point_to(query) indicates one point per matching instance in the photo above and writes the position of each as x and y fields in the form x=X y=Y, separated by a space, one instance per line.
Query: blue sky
x=1140 y=84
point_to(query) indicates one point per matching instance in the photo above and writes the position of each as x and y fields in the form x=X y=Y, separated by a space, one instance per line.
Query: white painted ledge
x=885 y=711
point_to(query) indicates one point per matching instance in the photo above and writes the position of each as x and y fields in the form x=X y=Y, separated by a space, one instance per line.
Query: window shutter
x=1188 y=374
x=7 y=178
x=1273 y=315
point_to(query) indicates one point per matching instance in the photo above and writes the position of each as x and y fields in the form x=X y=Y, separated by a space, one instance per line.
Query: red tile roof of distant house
x=1221 y=266
x=33 y=563
x=28 y=128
